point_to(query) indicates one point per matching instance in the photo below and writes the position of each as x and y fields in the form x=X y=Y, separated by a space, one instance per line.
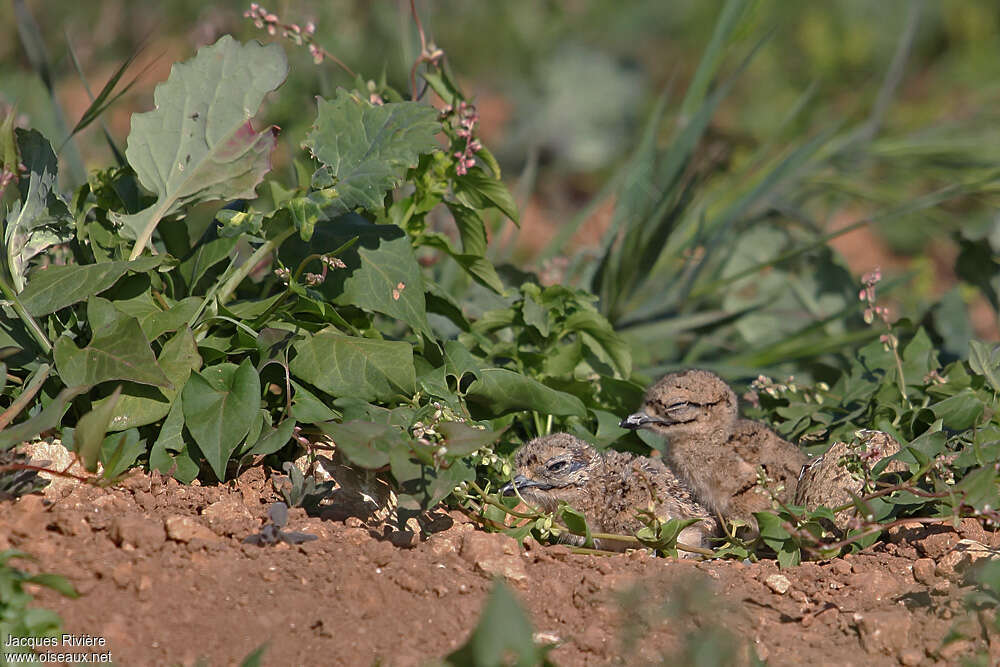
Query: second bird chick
x=607 y=487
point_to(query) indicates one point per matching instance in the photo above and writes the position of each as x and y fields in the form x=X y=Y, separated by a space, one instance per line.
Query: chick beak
x=519 y=482
x=639 y=420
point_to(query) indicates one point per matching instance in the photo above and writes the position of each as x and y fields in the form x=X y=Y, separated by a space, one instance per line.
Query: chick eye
x=678 y=406
x=556 y=466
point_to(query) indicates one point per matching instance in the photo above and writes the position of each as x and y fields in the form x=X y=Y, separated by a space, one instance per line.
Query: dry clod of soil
x=184 y=529
x=50 y=453
x=884 y=632
x=956 y=563
x=137 y=532
x=923 y=571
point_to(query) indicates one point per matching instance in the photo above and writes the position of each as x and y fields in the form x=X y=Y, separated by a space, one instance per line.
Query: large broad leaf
x=118 y=351
x=366 y=149
x=40 y=219
x=141 y=404
x=499 y=391
x=60 y=286
x=219 y=406
x=198 y=144
x=370 y=370
x=382 y=274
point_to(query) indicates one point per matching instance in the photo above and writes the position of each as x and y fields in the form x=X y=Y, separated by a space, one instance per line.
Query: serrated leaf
x=984 y=359
x=368 y=369
x=219 y=405
x=499 y=391
x=198 y=143
x=366 y=149
x=91 y=429
x=59 y=286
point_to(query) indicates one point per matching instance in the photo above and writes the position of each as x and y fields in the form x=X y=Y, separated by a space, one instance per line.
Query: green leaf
x=91 y=429
x=364 y=368
x=171 y=439
x=382 y=273
x=499 y=391
x=307 y=408
x=119 y=451
x=459 y=362
x=462 y=439
x=219 y=405
x=959 y=412
x=55 y=582
x=476 y=189
x=45 y=420
x=60 y=286
x=602 y=340
x=366 y=149
x=503 y=631
x=119 y=351
x=40 y=219
x=984 y=359
x=365 y=443
x=142 y=404
x=198 y=143
x=577 y=523
x=274 y=439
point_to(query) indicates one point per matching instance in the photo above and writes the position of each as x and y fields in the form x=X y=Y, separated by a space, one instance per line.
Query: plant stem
x=227 y=288
x=25 y=397
x=33 y=328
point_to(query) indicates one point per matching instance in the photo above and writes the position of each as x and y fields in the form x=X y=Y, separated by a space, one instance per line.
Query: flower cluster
x=465 y=119
x=299 y=35
x=778 y=389
x=874 y=311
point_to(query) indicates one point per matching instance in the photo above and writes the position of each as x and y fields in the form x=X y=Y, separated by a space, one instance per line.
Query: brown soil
x=165 y=579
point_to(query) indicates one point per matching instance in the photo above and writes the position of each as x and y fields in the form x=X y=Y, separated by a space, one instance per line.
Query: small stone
x=137 y=532
x=942 y=587
x=966 y=553
x=923 y=571
x=911 y=657
x=354 y=522
x=778 y=583
x=494 y=554
x=184 y=529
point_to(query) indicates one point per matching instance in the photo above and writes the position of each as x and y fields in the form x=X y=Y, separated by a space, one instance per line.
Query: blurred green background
x=565 y=88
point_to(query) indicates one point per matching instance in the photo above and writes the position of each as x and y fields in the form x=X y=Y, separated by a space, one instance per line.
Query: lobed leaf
x=198 y=144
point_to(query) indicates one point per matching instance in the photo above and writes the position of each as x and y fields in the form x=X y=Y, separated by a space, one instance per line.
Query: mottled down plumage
x=608 y=487
x=715 y=452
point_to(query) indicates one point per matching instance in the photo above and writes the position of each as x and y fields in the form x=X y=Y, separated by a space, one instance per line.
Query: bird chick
x=606 y=487
x=833 y=478
x=715 y=452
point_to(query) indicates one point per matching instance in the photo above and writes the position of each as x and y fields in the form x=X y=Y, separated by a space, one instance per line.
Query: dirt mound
x=166 y=579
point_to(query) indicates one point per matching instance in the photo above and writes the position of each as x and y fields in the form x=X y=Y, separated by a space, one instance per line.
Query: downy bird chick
x=715 y=452
x=606 y=487
x=836 y=477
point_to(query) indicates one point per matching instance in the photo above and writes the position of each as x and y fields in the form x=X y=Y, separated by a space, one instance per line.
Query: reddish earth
x=165 y=579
